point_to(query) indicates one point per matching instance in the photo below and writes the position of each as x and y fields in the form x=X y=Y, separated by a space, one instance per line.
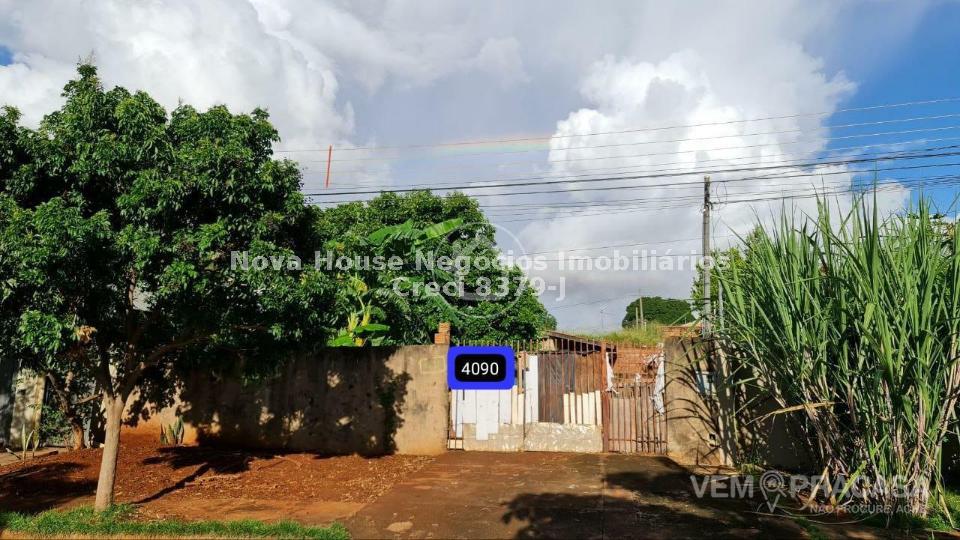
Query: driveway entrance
x=556 y=495
x=569 y=394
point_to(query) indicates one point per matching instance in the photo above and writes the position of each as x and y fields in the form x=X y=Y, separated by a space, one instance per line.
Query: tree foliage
x=659 y=310
x=451 y=226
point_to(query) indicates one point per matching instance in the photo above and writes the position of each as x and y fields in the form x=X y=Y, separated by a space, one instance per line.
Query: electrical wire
x=635 y=130
x=954 y=180
x=778 y=143
x=661 y=175
x=625 y=169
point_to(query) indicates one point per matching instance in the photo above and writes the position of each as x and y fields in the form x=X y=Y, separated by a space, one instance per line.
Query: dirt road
x=544 y=495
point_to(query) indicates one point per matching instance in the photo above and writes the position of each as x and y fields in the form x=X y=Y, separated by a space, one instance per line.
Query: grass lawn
x=120 y=521
x=937 y=520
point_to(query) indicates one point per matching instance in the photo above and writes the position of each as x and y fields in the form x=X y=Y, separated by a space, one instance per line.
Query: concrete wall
x=547 y=437
x=27 y=406
x=705 y=430
x=8 y=374
x=693 y=420
x=536 y=437
x=335 y=401
x=775 y=441
x=507 y=438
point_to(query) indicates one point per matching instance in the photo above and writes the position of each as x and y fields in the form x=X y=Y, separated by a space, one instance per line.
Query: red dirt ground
x=178 y=480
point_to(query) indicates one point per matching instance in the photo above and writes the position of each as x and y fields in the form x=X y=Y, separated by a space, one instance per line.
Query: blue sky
x=925 y=66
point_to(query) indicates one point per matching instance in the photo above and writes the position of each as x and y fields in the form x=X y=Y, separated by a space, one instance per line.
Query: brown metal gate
x=567 y=382
x=631 y=421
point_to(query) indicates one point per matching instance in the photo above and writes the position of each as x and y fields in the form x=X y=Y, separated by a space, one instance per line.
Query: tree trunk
x=76 y=426
x=69 y=411
x=113 y=408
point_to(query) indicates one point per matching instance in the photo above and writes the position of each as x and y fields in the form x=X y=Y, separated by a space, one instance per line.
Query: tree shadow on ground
x=39 y=487
x=653 y=500
x=324 y=403
x=205 y=460
x=328 y=402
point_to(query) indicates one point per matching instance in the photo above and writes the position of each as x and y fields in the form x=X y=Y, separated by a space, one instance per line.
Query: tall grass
x=851 y=322
x=648 y=335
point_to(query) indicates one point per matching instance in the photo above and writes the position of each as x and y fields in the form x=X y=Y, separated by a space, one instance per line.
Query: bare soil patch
x=208 y=483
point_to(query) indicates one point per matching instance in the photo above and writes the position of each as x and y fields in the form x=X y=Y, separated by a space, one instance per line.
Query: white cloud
x=285 y=55
x=33 y=85
x=690 y=87
x=501 y=58
x=203 y=53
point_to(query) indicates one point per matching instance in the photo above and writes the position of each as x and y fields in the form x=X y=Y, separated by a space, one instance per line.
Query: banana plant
x=404 y=240
x=360 y=330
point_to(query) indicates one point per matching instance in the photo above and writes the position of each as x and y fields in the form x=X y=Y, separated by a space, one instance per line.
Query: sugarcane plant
x=850 y=323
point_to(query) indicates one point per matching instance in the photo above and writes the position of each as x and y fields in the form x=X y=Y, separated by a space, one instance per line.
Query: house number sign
x=480 y=368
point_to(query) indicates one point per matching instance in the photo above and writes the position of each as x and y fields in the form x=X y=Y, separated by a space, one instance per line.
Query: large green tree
x=658 y=309
x=511 y=310
x=117 y=225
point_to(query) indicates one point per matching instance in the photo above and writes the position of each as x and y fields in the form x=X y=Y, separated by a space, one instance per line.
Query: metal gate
x=634 y=422
x=580 y=384
x=567 y=383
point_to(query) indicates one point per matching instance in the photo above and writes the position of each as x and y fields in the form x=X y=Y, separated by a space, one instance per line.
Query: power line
x=634 y=244
x=654 y=176
x=835 y=150
x=953 y=180
x=799 y=141
x=589 y=303
x=636 y=130
x=644 y=203
x=692 y=197
x=619 y=201
x=624 y=169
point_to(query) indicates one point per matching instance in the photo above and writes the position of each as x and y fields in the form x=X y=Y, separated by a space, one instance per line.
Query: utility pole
x=726 y=402
x=706 y=257
x=643 y=321
x=636 y=318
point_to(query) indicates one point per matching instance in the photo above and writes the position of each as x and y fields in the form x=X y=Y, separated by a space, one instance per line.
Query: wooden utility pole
x=706 y=257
